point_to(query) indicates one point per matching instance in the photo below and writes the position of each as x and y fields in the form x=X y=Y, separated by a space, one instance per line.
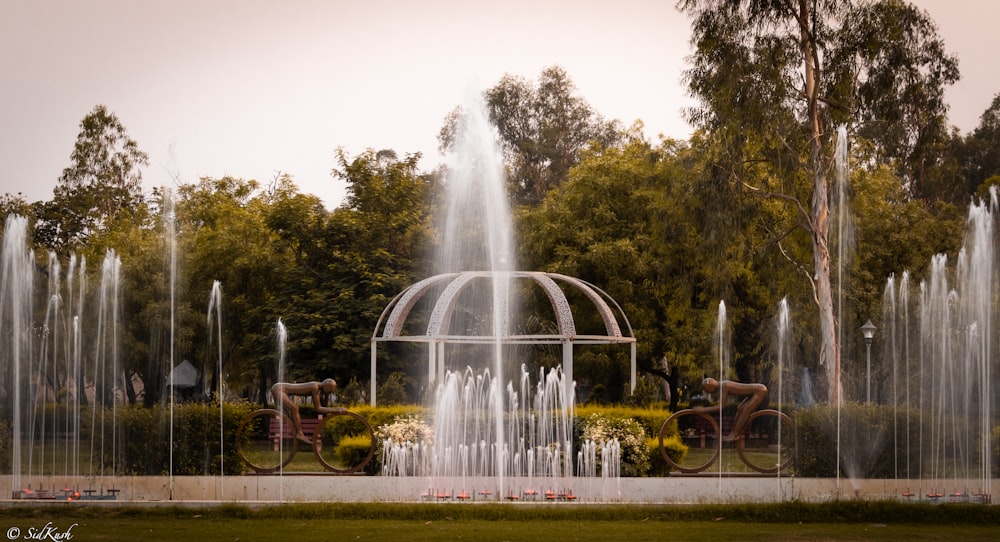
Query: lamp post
x=868 y=330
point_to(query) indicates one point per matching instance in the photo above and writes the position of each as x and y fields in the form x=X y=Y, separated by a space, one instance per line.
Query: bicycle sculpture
x=268 y=439
x=761 y=427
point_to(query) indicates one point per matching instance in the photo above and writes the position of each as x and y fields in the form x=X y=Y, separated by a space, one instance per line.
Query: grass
x=843 y=520
x=729 y=460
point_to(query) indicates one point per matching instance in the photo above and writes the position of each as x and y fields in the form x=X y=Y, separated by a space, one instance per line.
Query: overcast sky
x=251 y=88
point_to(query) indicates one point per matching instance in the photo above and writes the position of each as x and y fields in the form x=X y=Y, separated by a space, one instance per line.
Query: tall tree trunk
x=829 y=354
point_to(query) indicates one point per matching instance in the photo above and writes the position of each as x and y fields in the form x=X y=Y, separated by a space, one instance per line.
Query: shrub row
x=874 y=438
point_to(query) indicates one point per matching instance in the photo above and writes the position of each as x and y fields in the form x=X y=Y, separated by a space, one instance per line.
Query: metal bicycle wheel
x=775 y=456
x=265 y=440
x=335 y=428
x=695 y=466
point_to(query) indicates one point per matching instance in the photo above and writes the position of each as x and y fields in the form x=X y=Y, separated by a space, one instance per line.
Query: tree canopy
x=774 y=79
x=743 y=212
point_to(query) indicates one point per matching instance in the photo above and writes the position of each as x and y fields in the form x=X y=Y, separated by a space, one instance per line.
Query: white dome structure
x=395 y=323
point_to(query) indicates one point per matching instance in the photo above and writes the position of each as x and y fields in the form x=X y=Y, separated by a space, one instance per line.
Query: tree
x=352 y=262
x=542 y=128
x=224 y=235
x=103 y=181
x=774 y=77
x=981 y=149
x=624 y=220
x=11 y=204
x=887 y=73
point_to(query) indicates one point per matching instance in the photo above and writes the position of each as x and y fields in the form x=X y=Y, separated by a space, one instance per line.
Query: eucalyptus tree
x=775 y=77
x=981 y=149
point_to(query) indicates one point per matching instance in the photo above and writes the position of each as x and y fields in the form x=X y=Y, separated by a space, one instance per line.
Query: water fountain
x=58 y=371
x=494 y=431
x=942 y=349
x=503 y=425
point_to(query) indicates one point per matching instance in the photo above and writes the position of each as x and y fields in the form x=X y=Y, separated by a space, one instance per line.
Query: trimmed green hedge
x=867 y=447
x=141 y=444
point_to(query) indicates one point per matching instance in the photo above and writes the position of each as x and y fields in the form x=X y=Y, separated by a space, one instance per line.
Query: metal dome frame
x=390 y=323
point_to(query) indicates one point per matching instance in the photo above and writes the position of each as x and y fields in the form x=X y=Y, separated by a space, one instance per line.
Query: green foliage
x=393 y=390
x=143 y=431
x=650 y=418
x=867 y=448
x=979 y=153
x=995 y=451
x=352 y=450
x=13 y=205
x=6 y=446
x=354 y=393
x=103 y=182
x=623 y=220
x=385 y=415
x=543 y=130
x=675 y=448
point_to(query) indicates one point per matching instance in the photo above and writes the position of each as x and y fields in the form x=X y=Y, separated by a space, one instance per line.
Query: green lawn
x=514 y=522
x=729 y=460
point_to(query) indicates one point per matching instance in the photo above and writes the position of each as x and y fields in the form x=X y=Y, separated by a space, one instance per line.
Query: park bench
x=702 y=428
x=309 y=426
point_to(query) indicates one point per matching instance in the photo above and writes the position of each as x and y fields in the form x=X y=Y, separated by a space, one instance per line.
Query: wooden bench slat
x=309 y=426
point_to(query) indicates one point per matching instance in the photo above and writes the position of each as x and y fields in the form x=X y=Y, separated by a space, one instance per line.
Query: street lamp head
x=868 y=330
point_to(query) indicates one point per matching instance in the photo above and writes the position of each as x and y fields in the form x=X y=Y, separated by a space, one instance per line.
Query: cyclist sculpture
x=267 y=439
x=762 y=449
x=319 y=391
x=754 y=394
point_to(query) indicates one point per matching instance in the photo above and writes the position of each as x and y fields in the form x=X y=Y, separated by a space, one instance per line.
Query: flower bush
x=406 y=428
x=402 y=445
x=630 y=434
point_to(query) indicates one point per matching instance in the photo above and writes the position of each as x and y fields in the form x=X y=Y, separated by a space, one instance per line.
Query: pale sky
x=251 y=88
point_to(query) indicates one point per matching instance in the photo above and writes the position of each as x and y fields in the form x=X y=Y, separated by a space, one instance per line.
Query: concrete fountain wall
x=292 y=488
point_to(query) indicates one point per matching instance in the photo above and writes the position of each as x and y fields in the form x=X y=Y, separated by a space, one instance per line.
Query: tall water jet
x=16 y=287
x=722 y=342
x=948 y=371
x=57 y=357
x=783 y=328
x=844 y=241
x=891 y=354
x=214 y=318
x=490 y=423
x=477 y=236
x=170 y=220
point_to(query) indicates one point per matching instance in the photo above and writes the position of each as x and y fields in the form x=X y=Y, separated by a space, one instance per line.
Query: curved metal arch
x=438 y=333
x=557 y=298
x=441 y=313
x=600 y=299
x=398 y=310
